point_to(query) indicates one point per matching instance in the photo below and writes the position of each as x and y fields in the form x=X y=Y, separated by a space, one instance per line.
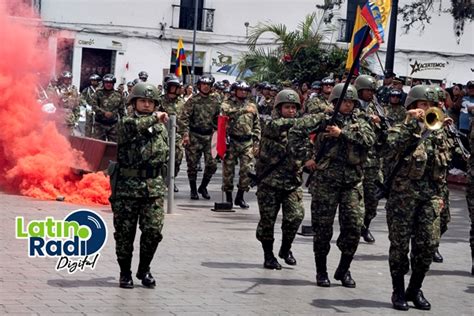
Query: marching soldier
x=198 y=121
x=281 y=187
x=395 y=110
x=87 y=96
x=321 y=103
x=337 y=180
x=138 y=186
x=265 y=103
x=366 y=86
x=415 y=202
x=172 y=104
x=108 y=106
x=244 y=135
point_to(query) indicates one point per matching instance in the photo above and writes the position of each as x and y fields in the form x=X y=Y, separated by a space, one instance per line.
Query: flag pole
x=390 y=55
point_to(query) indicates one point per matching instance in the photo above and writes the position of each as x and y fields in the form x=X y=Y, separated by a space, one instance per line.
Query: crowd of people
x=358 y=142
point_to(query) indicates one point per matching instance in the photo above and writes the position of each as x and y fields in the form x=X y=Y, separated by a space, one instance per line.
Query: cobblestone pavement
x=211 y=264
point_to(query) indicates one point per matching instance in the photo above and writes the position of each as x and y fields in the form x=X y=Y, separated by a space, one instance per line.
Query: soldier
x=143 y=76
x=67 y=100
x=414 y=201
x=336 y=181
x=138 y=187
x=397 y=83
x=321 y=103
x=282 y=187
x=470 y=192
x=86 y=100
x=198 y=121
x=366 y=86
x=244 y=134
x=395 y=110
x=265 y=104
x=172 y=104
x=108 y=106
x=384 y=91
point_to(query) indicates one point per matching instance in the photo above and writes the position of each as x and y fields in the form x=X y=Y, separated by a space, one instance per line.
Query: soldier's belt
x=201 y=131
x=141 y=173
x=106 y=121
x=241 y=138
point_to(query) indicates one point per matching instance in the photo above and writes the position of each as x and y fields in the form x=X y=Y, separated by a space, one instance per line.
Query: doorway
x=96 y=61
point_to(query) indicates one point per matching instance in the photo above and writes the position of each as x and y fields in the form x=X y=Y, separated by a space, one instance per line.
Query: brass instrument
x=434 y=118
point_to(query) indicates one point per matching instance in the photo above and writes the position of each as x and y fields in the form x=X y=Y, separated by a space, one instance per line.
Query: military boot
x=322 y=278
x=194 y=194
x=203 y=188
x=414 y=293
x=366 y=234
x=228 y=197
x=437 y=257
x=270 y=261
x=286 y=254
x=144 y=273
x=342 y=272
x=126 y=280
x=399 y=301
x=239 y=199
x=175 y=189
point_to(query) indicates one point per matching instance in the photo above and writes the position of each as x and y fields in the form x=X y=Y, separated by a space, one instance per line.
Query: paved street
x=211 y=264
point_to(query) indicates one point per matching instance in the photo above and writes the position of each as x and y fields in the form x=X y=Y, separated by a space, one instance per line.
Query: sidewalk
x=211 y=264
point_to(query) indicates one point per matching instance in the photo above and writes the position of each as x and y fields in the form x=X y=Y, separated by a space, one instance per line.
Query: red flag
x=221 y=146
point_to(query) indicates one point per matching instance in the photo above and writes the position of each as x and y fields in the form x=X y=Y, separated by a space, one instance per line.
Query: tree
x=300 y=54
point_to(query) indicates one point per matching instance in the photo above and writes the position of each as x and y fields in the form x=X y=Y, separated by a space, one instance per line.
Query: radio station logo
x=75 y=240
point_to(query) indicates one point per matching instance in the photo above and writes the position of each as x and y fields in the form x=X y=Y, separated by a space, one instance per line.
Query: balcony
x=183 y=18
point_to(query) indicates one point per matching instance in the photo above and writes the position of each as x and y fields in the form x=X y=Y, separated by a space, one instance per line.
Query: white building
x=125 y=37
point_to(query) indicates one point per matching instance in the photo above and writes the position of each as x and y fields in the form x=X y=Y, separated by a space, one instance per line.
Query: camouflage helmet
x=109 y=78
x=240 y=84
x=328 y=81
x=145 y=91
x=130 y=84
x=287 y=96
x=171 y=80
x=316 y=84
x=143 y=75
x=66 y=75
x=420 y=93
x=95 y=77
x=441 y=94
x=351 y=93
x=207 y=79
x=396 y=93
x=365 y=82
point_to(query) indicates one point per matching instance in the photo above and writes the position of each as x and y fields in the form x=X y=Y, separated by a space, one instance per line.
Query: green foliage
x=299 y=54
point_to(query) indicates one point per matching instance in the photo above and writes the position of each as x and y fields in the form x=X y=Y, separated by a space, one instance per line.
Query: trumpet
x=434 y=118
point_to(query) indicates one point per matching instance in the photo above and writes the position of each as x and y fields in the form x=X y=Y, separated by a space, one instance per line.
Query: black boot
x=322 y=278
x=286 y=254
x=342 y=272
x=143 y=272
x=228 y=197
x=203 y=188
x=414 y=293
x=437 y=257
x=270 y=261
x=126 y=280
x=239 y=199
x=175 y=189
x=399 y=301
x=366 y=234
x=194 y=194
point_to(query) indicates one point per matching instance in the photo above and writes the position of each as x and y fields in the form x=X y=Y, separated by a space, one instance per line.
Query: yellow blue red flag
x=376 y=14
x=180 y=57
x=360 y=27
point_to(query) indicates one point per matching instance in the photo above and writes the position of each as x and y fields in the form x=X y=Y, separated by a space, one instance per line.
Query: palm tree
x=293 y=51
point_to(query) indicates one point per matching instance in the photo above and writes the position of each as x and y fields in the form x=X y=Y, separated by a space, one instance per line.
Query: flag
x=180 y=56
x=221 y=145
x=360 y=26
x=378 y=15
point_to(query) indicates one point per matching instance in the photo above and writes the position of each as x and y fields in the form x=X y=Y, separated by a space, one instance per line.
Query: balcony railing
x=183 y=18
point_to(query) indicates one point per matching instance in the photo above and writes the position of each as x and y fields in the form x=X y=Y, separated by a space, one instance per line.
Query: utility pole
x=390 y=56
x=194 y=38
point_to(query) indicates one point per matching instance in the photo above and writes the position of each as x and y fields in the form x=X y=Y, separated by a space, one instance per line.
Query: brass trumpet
x=434 y=118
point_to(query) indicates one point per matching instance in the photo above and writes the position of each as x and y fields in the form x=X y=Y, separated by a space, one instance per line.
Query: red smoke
x=35 y=158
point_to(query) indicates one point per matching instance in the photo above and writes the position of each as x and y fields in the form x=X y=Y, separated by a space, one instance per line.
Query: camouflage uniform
x=87 y=96
x=198 y=119
x=383 y=94
x=66 y=98
x=265 y=108
x=139 y=194
x=244 y=133
x=470 y=191
x=395 y=113
x=337 y=181
x=174 y=107
x=318 y=104
x=107 y=101
x=415 y=199
x=282 y=187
